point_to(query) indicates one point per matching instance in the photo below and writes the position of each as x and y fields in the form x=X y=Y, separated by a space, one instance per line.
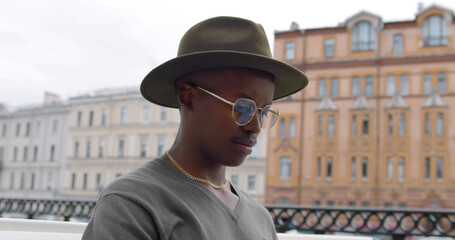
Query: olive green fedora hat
x=216 y=43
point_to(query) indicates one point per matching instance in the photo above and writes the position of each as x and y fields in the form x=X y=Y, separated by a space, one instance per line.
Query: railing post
x=398 y=237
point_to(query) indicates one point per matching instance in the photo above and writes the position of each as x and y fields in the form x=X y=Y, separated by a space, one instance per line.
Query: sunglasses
x=244 y=109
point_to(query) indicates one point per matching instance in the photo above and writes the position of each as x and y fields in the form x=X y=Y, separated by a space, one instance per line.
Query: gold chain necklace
x=193 y=177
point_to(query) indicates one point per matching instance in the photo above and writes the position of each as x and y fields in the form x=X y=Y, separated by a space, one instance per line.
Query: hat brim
x=159 y=85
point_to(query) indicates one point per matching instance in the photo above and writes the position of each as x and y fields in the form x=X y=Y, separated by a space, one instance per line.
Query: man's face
x=218 y=136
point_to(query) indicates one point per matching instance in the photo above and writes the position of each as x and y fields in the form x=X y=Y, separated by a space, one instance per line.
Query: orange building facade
x=373 y=126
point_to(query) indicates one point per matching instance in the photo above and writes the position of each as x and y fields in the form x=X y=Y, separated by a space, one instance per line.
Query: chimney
x=420 y=7
x=51 y=99
x=294 y=26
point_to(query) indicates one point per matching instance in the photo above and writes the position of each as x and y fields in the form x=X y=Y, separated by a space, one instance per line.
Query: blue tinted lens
x=244 y=110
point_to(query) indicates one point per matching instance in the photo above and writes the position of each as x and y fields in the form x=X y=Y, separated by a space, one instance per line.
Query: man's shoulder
x=150 y=176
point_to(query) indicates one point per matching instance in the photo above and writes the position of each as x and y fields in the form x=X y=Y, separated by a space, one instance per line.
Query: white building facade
x=33 y=144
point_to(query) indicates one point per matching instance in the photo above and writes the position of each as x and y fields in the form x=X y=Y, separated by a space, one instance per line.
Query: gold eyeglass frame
x=233 y=104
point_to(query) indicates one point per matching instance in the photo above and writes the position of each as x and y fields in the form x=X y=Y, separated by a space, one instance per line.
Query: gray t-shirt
x=156 y=201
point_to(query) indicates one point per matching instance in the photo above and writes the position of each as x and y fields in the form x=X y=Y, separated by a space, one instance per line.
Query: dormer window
x=363 y=37
x=435 y=31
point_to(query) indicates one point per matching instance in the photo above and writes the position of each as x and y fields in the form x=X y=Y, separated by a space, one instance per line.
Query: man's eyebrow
x=243 y=95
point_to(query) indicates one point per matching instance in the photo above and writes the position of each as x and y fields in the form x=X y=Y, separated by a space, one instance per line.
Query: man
x=223 y=81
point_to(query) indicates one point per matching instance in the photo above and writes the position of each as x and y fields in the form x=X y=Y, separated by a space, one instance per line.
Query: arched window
x=435 y=31
x=363 y=37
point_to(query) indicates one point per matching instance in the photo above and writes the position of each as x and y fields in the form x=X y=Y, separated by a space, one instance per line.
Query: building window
x=285 y=168
x=1 y=153
x=317 y=203
x=427 y=124
x=319 y=126
x=24 y=156
x=290 y=51
x=334 y=87
x=329 y=47
x=355 y=86
x=54 y=126
x=365 y=204
x=101 y=144
x=11 y=181
x=35 y=153
x=87 y=149
x=282 y=128
x=284 y=201
x=404 y=85
x=390 y=125
x=103 y=117
x=435 y=31
x=4 y=130
x=22 y=183
x=145 y=114
x=163 y=114
x=27 y=130
x=353 y=168
x=363 y=38
x=32 y=181
x=143 y=148
x=331 y=126
x=291 y=127
x=52 y=155
x=84 y=181
x=365 y=167
x=369 y=85
x=321 y=87
x=427 y=168
x=402 y=125
x=427 y=83
x=318 y=167
x=79 y=119
x=389 y=169
x=354 y=126
x=121 y=148
x=442 y=82
x=390 y=84
x=440 y=168
x=366 y=125
x=440 y=124
x=123 y=115
x=160 y=146
x=401 y=169
x=329 y=167
x=98 y=185
x=251 y=183
x=397 y=43
x=49 y=181
x=73 y=181
x=15 y=154
x=18 y=129
x=90 y=118
x=76 y=149
x=235 y=179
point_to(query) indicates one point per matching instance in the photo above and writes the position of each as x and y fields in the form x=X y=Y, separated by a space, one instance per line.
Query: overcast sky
x=73 y=47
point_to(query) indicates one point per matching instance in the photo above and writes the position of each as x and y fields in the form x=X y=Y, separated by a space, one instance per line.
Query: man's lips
x=246 y=141
x=245 y=145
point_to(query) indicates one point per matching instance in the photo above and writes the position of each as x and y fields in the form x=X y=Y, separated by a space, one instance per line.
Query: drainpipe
x=300 y=153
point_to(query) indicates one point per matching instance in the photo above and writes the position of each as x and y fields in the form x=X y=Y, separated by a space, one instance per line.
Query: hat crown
x=225 y=34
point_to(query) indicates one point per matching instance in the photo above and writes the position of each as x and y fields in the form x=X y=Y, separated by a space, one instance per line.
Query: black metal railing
x=398 y=223
x=64 y=210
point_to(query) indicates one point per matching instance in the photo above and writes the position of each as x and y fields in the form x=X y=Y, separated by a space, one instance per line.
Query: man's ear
x=185 y=95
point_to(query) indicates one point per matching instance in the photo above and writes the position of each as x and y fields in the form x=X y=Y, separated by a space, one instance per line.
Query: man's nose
x=255 y=124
